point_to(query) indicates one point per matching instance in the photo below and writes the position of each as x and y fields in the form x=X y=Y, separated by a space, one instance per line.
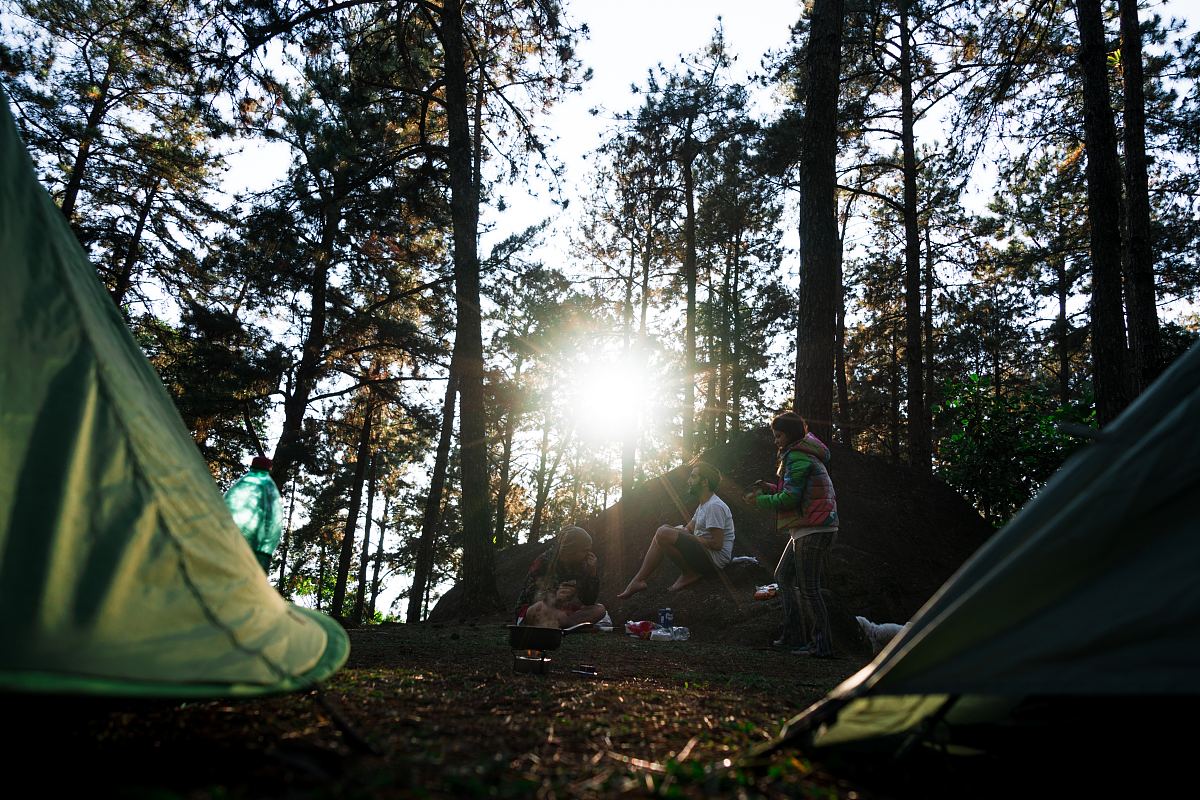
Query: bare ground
x=433 y=711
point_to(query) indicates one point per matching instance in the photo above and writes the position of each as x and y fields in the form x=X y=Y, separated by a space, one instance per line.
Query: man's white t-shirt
x=713 y=513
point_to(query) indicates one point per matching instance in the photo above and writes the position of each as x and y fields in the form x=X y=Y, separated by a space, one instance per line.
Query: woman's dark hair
x=790 y=424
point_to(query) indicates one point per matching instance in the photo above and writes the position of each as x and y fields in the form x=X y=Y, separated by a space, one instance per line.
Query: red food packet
x=640 y=629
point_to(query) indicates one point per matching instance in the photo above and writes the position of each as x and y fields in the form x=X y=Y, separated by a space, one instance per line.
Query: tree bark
x=689 y=273
x=894 y=392
x=478 y=574
x=845 y=424
x=295 y=404
x=729 y=345
x=346 y=551
x=819 y=244
x=544 y=478
x=1104 y=203
x=360 y=595
x=535 y=523
x=510 y=426
x=90 y=132
x=320 y=570
x=1141 y=303
x=737 y=380
x=628 y=436
x=930 y=351
x=125 y=279
x=914 y=366
x=423 y=569
x=387 y=502
x=1062 y=290
x=283 y=550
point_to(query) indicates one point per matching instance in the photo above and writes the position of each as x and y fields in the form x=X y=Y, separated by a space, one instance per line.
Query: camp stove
x=531 y=662
x=530 y=645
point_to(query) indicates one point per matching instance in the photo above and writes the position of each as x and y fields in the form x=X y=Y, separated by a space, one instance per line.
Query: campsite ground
x=447 y=717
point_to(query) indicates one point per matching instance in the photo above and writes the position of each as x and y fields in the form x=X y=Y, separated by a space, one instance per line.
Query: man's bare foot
x=683 y=582
x=633 y=588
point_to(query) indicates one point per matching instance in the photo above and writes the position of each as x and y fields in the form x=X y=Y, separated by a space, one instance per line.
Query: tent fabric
x=1090 y=590
x=121 y=570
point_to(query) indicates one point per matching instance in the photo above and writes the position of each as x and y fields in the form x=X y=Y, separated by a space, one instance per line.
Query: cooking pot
x=530 y=637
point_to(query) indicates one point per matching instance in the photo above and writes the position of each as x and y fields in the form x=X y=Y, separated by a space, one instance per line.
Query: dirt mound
x=901 y=537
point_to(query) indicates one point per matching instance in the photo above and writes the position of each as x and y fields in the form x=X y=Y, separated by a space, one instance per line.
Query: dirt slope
x=901 y=537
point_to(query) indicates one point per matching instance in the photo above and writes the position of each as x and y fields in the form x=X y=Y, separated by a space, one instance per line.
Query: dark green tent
x=1078 y=618
x=121 y=570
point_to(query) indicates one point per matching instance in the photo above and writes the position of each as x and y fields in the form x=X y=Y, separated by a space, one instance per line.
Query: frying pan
x=529 y=637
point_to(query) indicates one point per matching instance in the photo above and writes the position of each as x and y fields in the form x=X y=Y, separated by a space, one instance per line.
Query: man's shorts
x=695 y=554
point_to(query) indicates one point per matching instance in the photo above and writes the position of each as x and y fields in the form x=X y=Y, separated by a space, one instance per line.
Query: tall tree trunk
x=629 y=464
x=914 y=366
x=894 y=391
x=283 y=549
x=1064 y=356
x=510 y=427
x=90 y=132
x=818 y=220
x=1139 y=270
x=295 y=405
x=930 y=350
x=629 y=435
x=346 y=552
x=728 y=344
x=125 y=278
x=689 y=274
x=478 y=573
x=1104 y=218
x=737 y=357
x=545 y=478
x=423 y=569
x=320 y=570
x=360 y=595
x=845 y=424
x=535 y=523
x=646 y=262
x=712 y=401
x=387 y=503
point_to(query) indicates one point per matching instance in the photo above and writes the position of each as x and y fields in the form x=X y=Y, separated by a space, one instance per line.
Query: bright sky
x=627 y=38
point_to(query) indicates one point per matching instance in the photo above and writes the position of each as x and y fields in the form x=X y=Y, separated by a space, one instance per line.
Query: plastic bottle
x=675 y=633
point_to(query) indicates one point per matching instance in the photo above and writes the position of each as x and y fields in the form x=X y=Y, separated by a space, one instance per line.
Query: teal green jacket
x=257 y=509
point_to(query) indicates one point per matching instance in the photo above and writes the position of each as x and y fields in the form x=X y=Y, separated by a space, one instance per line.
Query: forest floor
x=438 y=711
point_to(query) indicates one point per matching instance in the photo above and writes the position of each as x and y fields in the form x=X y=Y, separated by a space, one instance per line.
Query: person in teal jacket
x=805 y=506
x=257 y=508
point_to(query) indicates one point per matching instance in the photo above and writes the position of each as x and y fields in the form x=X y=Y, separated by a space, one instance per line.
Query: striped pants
x=805 y=617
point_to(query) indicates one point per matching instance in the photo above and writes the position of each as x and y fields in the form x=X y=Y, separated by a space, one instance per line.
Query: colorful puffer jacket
x=803 y=495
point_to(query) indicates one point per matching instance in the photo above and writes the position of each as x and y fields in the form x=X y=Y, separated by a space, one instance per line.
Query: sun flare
x=609 y=399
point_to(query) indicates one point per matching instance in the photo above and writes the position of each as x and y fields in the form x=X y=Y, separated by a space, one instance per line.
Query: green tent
x=1083 y=609
x=121 y=570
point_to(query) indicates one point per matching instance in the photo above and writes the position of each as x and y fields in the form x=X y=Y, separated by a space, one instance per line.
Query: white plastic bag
x=677 y=633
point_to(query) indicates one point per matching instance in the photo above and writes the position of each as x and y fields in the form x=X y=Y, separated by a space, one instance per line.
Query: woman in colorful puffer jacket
x=805 y=506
